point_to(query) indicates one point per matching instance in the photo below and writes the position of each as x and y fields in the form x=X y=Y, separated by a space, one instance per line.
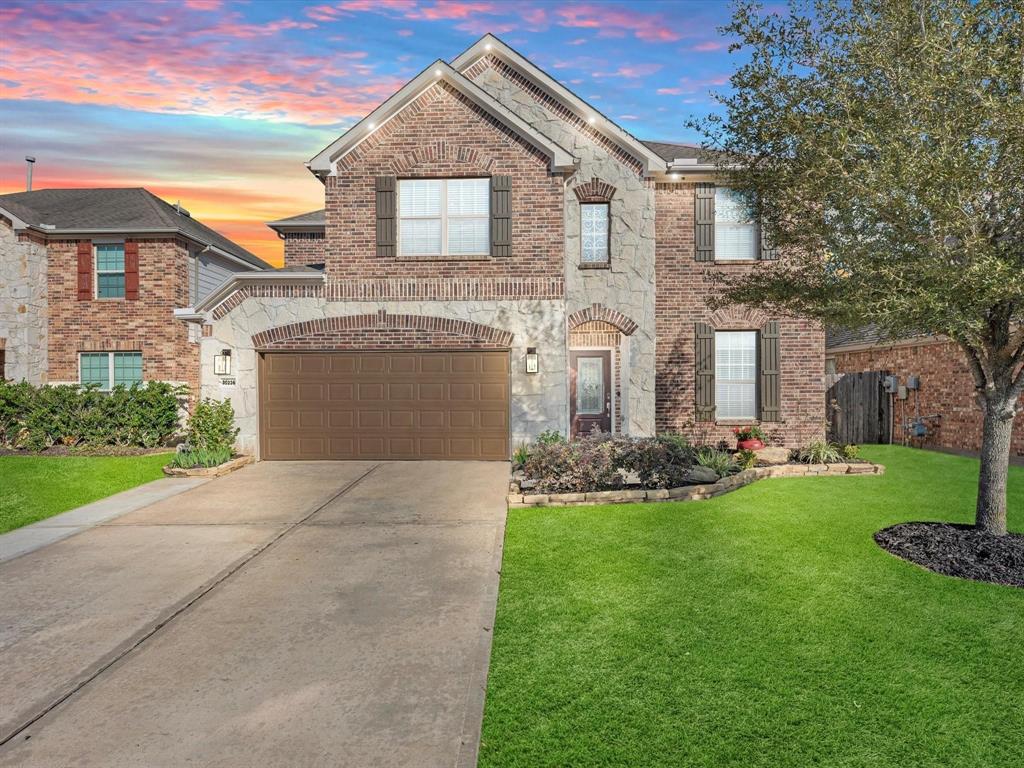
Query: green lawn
x=36 y=487
x=761 y=628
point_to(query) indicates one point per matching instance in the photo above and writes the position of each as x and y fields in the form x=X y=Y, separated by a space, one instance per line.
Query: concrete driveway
x=289 y=614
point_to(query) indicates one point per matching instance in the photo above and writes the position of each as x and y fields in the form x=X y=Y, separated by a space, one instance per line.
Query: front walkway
x=307 y=613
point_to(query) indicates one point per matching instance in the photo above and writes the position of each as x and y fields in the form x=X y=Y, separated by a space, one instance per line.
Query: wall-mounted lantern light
x=222 y=363
x=532 y=365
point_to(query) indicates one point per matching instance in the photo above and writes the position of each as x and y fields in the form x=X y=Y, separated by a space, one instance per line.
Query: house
x=496 y=258
x=945 y=396
x=90 y=280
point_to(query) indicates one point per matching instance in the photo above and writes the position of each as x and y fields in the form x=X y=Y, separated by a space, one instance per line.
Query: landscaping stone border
x=221 y=469
x=691 y=492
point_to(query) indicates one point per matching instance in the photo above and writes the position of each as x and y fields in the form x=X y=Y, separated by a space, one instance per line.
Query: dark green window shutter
x=704 y=364
x=501 y=215
x=769 y=378
x=768 y=251
x=385 y=191
x=704 y=221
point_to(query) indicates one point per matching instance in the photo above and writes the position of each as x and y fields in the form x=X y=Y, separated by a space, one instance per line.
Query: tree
x=881 y=144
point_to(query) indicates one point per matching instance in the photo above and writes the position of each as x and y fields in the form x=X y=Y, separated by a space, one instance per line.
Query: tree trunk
x=995 y=463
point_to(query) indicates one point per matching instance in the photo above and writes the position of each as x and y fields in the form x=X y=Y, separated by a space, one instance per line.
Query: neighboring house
x=90 y=280
x=495 y=258
x=946 y=392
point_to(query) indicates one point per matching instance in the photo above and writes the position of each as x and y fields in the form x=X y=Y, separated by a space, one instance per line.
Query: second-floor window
x=594 y=233
x=110 y=271
x=444 y=217
x=735 y=232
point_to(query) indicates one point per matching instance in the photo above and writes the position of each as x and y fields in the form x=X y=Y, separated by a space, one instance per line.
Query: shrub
x=520 y=455
x=587 y=464
x=819 y=452
x=745 y=459
x=203 y=457
x=850 y=452
x=720 y=462
x=550 y=437
x=39 y=417
x=657 y=463
x=212 y=426
x=679 y=447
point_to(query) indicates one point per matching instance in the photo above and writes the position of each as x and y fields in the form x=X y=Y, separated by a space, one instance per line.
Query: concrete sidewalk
x=31 y=537
x=307 y=613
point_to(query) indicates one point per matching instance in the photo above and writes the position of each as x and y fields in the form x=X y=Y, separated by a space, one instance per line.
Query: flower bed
x=221 y=469
x=602 y=468
x=688 y=492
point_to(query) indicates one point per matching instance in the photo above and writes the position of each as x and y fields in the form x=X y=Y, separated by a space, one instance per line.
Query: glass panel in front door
x=590 y=385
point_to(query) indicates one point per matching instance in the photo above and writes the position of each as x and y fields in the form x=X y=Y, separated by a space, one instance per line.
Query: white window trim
x=753 y=382
x=608 y=235
x=96 y=271
x=444 y=254
x=110 y=365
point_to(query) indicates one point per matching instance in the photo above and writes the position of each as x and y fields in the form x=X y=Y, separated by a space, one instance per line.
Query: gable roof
x=115 y=210
x=489 y=45
x=303 y=221
x=322 y=164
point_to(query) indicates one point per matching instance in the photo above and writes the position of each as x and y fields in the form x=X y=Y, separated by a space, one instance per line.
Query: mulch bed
x=958 y=550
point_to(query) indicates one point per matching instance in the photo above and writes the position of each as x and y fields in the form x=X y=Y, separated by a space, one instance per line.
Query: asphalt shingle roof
x=124 y=209
x=311 y=218
x=678 y=150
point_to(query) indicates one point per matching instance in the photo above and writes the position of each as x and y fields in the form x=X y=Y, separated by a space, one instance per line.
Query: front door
x=590 y=391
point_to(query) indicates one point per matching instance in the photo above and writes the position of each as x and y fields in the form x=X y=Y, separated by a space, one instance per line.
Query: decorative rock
x=528 y=485
x=772 y=455
x=657 y=494
x=221 y=469
x=697 y=475
x=535 y=498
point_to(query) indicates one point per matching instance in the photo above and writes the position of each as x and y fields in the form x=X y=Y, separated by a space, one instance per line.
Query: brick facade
x=110 y=325
x=682 y=289
x=947 y=388
x=441 y=134
x=303 y=248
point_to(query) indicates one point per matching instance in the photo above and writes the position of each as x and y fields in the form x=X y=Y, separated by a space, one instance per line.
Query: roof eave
x=489 y=45
x=225 y=289
x=323 y=163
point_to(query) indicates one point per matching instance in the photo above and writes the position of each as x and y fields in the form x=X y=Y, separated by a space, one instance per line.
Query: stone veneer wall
x=628 y=285
x=538 y=401
x=947 y=388
x=23 y=307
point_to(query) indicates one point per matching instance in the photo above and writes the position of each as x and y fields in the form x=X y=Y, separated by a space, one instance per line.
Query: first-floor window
x=736 y=374
x=110 y=369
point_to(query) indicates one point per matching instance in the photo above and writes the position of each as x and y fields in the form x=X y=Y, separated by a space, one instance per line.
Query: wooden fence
x=858 y=407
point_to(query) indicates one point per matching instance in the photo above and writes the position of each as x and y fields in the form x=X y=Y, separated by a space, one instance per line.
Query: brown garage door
x=384 y=405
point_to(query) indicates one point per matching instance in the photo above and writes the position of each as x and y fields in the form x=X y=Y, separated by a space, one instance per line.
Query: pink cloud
x=183 y=72
x=610 y=21
x=631 y=71
x=710 y=45
x=669 y=91
x=204 y=5
x=404 y=33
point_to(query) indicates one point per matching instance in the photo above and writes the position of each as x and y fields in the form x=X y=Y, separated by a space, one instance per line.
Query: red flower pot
x=752 y=444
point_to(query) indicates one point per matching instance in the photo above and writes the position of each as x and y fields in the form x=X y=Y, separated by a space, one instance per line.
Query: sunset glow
x=219 y=104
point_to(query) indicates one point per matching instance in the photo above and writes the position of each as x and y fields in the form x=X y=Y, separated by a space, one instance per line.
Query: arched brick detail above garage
x=383 y=331
x=602 y=313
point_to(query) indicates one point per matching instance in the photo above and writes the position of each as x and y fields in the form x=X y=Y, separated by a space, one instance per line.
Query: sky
x=218 y=104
